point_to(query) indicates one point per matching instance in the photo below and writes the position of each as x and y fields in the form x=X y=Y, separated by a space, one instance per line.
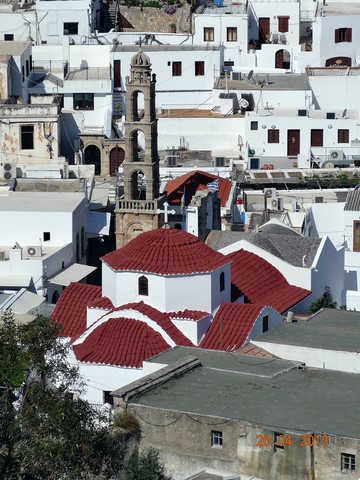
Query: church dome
x=140 y=59
x=166 y=252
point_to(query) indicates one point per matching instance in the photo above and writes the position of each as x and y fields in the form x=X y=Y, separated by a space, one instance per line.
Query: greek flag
x=214 y=185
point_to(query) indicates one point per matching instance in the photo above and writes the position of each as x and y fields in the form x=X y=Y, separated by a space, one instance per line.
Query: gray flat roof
x=164 y=48
x=228 y=361
x=340 y=8
x=299 y=400
x=330 y=329
x=40 y=201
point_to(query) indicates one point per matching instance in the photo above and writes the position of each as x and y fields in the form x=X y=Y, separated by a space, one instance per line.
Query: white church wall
x=179 y=293
x=274 y=318
x=192 y=329
x=217 y=296
x=101 y=378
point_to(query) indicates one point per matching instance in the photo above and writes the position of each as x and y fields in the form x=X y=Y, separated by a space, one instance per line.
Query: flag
x=214 y=185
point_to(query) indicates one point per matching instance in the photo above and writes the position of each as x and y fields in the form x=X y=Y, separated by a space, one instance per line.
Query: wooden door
x=293 y=148
x=117 y=73
x=264 y=29
x=117 y=156
x=279 y=59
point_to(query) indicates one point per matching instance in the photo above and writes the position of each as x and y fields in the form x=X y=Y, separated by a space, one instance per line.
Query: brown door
x=117 y=156
x=117 y=73
x=293 y=143
x=264 y=29
x=279 y=59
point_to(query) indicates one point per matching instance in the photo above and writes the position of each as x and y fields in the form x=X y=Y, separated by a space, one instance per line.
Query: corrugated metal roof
x=353 y=201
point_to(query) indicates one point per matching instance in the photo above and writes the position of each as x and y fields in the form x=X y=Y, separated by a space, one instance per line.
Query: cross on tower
x=166 y=211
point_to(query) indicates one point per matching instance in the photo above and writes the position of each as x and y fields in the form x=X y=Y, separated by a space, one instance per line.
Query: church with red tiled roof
x=167 y=288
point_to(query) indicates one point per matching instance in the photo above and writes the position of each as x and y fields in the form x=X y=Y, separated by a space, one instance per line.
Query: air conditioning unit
x=219 y=161
x=235 y=75
x=337 y=155
x=8 y=171
x=171 y=160
x=34 y=251
x=270 y=193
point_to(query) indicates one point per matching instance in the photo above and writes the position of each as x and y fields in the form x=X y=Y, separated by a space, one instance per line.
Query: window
x=316 y=138
x=8 y=37
x=83 y=101
x=279 y=440
x=107 y=397
x=71 y=28
x=265 y=323
x=208 y=34
x=27 y=137
x=273 y=136
x=143 y=286
x=347 y=462
x=199 y=69
x=216 y=439
x=254 y=125
x=176 y=69
x=228 y=63
x=343 y=136
x=283 y=25
x=46 y=236
x=231 y=34
x=222 y=281
x=356 y=236
x=343 y=35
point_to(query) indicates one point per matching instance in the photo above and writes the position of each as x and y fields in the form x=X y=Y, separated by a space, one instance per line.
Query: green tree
x=320 y=303
x=46 y=430
x=145 y=465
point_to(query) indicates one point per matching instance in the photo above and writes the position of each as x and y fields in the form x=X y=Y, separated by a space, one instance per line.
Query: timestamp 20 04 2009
x=306 y=440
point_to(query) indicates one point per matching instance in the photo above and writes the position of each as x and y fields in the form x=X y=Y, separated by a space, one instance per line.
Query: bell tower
x=136 y=211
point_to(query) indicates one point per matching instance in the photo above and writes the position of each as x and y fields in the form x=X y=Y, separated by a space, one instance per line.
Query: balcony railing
x=136 y=205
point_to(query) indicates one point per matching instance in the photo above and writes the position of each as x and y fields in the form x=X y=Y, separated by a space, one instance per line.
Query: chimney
x=289 y=317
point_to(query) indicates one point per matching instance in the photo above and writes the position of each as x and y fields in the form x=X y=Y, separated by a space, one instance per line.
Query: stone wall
x=147 y=19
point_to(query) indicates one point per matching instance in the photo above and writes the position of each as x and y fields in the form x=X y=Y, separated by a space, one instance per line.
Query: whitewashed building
x=45 y=236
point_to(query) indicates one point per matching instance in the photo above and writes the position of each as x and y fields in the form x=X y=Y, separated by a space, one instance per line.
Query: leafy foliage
x=127 y=421
x=145 y=465
x=45 y=433
x=320 y=303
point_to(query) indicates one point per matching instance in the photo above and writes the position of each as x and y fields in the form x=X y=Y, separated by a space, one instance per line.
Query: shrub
x=127 y=421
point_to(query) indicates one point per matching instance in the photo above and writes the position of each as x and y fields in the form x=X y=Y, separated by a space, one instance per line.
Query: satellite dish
x=344 y=113
x=250 y=74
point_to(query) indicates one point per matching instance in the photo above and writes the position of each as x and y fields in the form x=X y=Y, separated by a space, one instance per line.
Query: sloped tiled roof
x=70 y=310
x=121 y=341
x=165 y=251
x=103 y=302
x=231 y=326
x=162 y=319
x=191 y=182
x=189 y=314
x=262 y=283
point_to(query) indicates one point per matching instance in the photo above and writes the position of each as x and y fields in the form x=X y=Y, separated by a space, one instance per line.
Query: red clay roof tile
x=165 y=251
x=262 y=283
x=191 y=182
x=189 y=314
x=231 y=326
x=162 y=319
x=121 y=341
x=70 y=310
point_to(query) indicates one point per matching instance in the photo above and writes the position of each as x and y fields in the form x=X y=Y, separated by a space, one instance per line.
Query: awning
x=14 y=281
x=25 y=302
x=75 y=273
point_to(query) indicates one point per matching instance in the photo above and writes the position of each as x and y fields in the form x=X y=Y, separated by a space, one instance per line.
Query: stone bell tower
x=136 y=211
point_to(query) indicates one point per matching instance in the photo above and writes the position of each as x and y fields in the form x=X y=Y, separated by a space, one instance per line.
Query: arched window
x=222 y=281
x=143 y=286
